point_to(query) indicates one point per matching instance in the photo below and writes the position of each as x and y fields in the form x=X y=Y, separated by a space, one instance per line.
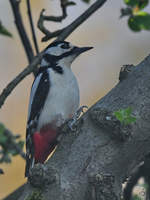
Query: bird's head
x=61 y=53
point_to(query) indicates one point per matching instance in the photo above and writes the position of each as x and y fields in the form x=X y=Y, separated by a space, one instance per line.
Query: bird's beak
x=79 y=50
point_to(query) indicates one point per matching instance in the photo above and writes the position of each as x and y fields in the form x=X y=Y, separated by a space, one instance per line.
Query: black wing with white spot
x=39 y=92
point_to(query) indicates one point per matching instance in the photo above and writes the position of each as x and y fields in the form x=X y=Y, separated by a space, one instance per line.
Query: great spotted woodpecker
x=54 y=98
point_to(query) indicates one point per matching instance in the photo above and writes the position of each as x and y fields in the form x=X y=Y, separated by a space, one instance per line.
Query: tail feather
x=27 y=168
x=29 y=164
x=29 y=156
x=43 y=144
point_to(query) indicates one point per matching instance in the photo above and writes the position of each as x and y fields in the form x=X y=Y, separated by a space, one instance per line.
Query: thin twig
x=65 y=32
x=64 y=4
x=22 y=32
x=30 y=68
x=44 y=30
x=32 y=27
x=40 y=23
x=69 y=29
x=20 y=27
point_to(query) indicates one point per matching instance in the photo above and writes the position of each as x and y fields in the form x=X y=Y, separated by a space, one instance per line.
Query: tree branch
x=69 y=29
x=32 y=26
x=9 y=88
x=15 y=194
x=65 y=32
x=21 y=30
x=92 y=162
x=43 y=29
x=64 y=4
x=89 y=161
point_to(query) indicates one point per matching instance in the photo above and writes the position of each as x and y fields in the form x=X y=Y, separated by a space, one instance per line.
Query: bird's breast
x=62 y=100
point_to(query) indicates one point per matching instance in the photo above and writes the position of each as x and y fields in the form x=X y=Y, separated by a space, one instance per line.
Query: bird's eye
x=65 y=46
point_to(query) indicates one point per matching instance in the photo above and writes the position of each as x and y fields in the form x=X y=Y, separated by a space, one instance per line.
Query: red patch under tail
x=44 y=143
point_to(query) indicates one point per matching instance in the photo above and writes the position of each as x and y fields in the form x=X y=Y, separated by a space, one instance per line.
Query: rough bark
x=92 y=162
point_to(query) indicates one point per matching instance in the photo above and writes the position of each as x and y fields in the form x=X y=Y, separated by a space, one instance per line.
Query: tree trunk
x=92 y=162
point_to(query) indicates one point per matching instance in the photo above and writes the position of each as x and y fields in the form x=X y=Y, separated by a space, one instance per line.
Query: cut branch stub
x=124 y=71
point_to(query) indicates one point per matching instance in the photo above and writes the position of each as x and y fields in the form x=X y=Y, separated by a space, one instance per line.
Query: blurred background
x=97 y=70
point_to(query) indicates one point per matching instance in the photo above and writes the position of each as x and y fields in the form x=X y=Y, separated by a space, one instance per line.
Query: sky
x=96 y=71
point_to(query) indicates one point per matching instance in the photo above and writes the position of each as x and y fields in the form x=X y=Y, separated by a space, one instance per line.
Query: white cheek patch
x=71 y=46
x=66 y=61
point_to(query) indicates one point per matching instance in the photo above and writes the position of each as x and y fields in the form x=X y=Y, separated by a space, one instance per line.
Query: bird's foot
x=72 y=122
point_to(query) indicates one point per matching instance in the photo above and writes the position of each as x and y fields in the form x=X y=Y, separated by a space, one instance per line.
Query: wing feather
x=39 y=91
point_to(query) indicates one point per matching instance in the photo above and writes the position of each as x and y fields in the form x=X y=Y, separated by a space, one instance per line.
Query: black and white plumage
x=54 y=98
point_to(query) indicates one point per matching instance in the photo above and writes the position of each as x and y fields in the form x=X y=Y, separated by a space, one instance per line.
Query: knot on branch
x=102 y=186
x=101 y=179
x=41 y=175
x=106 y=120
x=124 y=71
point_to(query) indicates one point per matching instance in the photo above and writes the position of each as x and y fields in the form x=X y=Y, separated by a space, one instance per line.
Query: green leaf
x=128 y=111
x=129 y=120
x=132 y=119
x=131 y=3
x=13 y=152
x=4 y=31
x=3 y=137
x=140 y=4
x=119 y=115
x=133 y=24
x=70 y=3
x=21 y=144
x=143 y=19
x=139 y=22
x=2 y=128
x=7 y=158
x=125 y=116
x=86 y=1
x=145 y=185
x=136 y=197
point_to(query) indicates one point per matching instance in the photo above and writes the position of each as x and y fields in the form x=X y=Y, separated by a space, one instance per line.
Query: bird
x=54 y=98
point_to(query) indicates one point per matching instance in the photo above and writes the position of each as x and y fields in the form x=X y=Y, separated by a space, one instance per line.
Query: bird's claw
x=73 y=120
